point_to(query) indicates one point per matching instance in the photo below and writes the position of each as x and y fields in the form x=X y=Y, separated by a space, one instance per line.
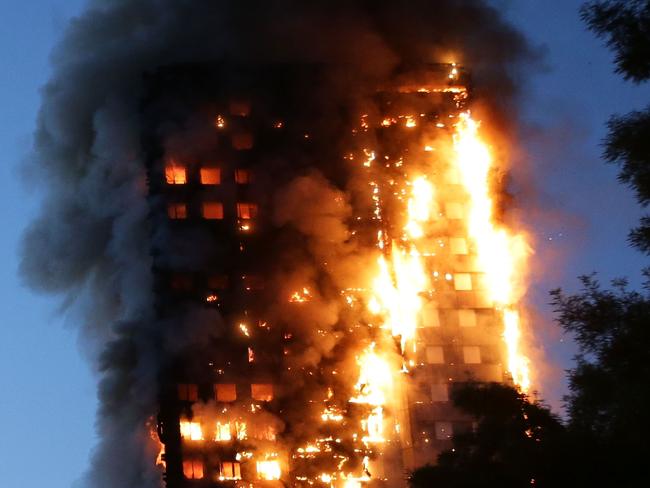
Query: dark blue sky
x=578 y=213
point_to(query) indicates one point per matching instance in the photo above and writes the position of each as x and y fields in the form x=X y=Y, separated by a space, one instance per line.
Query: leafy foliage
x=625 y=25
x=515 y=443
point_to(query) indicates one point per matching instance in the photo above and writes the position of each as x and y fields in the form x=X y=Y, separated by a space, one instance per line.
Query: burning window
x=262 y=392
x=246 y=210
x=268 y=470
x=467 y=318
x=454 y=210
x=210 y=176
x=444 y=431
x=175 y=175
x=264 y=432
x=177 y=211
x=439 y=392
x=229 y=471
x=222 y=432
x=242 y=141
x=213 y=210
x=193 y=469
x=458 y=245
x=241 y=430
x=472 y=355
x=435 y=355
x=462 y=282
x=242 y=108
x=225 y=392
x=243 y=176
x=188 y=392
x=191 y=431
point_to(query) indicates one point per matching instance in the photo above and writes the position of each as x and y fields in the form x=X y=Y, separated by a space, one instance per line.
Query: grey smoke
x=90 y=245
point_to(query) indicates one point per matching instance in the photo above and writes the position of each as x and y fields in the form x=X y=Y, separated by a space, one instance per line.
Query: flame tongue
x=500 y=254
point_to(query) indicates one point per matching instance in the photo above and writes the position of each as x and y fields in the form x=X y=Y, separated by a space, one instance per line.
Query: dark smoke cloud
x=91 y=241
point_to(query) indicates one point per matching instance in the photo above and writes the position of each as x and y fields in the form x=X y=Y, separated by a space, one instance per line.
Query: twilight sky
x=578 y=214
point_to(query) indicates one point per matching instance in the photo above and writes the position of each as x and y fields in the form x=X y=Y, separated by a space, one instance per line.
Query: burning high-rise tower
x=279 y=222
x=286 y=389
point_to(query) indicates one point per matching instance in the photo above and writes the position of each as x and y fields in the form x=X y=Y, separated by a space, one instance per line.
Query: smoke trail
x=91 y=242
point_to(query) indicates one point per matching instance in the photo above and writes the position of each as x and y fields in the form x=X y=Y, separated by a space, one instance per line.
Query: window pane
x=262 y=392
x=439 y=392
x=225 y=392
x=213 y=210
x=246 y=210
x=193 y=469
x=210 y=176
x=472 y=355
x=444 y=431
x=435 y=355
x=241 y=108
x=243 y=176
x=177 y=211
x=467 y=318
x=268 y=470
x=462 y=282
x=242 y=141
x=175 y=175
x=458 y=245
x=222 y=432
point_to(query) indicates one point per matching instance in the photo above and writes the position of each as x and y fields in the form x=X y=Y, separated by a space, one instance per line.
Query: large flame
x=500 y=253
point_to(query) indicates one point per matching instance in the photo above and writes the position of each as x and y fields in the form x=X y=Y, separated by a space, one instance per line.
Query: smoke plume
x=92 y=242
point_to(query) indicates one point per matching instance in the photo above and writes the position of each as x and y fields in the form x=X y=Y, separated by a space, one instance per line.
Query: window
x=458 y=245
x=444 y=431
x=188 y=392
x=225 y=392
x=177 y=211
x=229 y=471
x=213 y=210
x=467 y=318
x=180 y=282
x=210 y=176
x=454 y=210
x=440 y=392
x=191 y=431
x=193 y=469
x=242 y=141
x=268 y=470
x=241 y=108
x=222 y=432
x=462 y=282
x=246 y=210
x=264 y=432
x=472 y=355
x=262 y=392
x=218 y=282
x=435 y=355
x=253 y=282
x=241 y=430
x=430 y=316
x=243 y=176
x=175 y=175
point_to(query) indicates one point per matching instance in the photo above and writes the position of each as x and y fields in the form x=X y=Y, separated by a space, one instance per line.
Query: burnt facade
x=262 y=386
